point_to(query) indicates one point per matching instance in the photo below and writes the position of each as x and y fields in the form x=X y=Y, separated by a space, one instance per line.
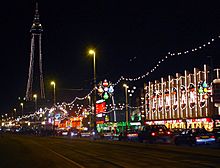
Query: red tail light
x=168 y=133
x=212 y=136
x=153 y=133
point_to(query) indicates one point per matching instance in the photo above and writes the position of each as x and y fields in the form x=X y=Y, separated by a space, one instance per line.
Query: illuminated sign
x=100 y=107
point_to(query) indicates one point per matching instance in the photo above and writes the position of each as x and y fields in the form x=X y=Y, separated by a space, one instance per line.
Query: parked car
x=85 y=134
x=107 y=134
x=61 y=132
x=176 y=131
x=194 y=137
x=216 y=132
x=129 y=135
x=155 y=134
x=74 y=133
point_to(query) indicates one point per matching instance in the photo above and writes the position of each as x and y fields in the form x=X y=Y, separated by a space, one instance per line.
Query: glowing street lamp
x=35 y=100
x=92 y=52
x=54 y=91
x=22 y=108
x=126 y=104
x=14 y=112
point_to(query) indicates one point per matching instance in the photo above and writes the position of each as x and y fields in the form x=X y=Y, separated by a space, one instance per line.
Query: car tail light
x=168 y=133
x=153 y=133
x=132 y=135
x=212 y=136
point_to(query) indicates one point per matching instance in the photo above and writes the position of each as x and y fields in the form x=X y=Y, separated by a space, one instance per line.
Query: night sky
x=129 y=37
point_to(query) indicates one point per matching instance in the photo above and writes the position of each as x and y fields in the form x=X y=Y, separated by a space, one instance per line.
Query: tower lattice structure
x=36 y=33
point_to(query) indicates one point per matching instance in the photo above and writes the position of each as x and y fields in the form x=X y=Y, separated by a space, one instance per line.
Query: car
x=61 y=132
x=193 y=137
x=107 y=134
x=176 y=131
x=129 y=135
x=64 y=133
x=85 y=134
x=216 y=132
x=155 y=134
x=74 y=133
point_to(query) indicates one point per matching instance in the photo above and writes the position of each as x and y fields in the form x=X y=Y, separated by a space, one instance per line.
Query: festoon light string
x=169 y=55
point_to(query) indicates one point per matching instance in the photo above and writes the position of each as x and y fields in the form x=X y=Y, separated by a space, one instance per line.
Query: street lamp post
x=54 y=91
x=92 y=52
x=35 y=100
x=126 y=103
x=14 y=113
x=22 y=108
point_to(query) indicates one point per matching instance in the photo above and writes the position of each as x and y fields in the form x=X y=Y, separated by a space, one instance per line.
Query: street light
x=22 y=108
x=126 y=103
x=131 y=92
x=54 y=91
x=92 y=52
x=14 y=111
x=35 y=100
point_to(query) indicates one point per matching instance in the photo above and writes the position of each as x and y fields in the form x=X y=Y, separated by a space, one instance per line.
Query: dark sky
x=129 y=37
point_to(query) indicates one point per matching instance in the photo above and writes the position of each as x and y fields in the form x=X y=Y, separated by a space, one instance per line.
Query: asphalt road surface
x=18 y=151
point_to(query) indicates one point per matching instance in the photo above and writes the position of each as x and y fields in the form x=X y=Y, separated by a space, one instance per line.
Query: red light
x=153 y=133
x=105 y=83
x=206 y=96
x=212 y=136
x=132 y=135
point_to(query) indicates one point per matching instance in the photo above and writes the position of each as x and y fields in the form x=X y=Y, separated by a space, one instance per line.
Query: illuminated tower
x=36 y=31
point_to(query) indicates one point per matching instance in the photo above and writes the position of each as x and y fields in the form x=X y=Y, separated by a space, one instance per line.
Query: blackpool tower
x=35 y=54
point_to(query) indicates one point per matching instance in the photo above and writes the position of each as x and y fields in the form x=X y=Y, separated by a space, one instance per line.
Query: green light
x=200 y=90
x=105 y=96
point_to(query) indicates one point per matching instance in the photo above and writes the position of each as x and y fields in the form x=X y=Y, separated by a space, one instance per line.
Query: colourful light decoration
x=203 y=92
x=100 y=107
x=105 y=89
x=154 y=101
x=105 y=96
x=167 y=99
x=106 y=118
x=147 y=99
x=160 y=101
x=192 y=95
x=105 y=83
x=174 y=98
x=183 y=97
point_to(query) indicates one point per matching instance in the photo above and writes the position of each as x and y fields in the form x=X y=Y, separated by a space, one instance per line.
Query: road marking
x=65 y=158
x=60 y=155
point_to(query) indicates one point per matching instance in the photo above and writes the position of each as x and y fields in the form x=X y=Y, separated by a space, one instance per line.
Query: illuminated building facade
x=184 y=101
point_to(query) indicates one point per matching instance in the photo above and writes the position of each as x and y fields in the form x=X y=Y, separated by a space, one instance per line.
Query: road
x=20 y=151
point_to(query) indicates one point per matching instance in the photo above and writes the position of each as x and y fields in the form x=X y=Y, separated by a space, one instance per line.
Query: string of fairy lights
x=122 y=78
x=167 y=56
